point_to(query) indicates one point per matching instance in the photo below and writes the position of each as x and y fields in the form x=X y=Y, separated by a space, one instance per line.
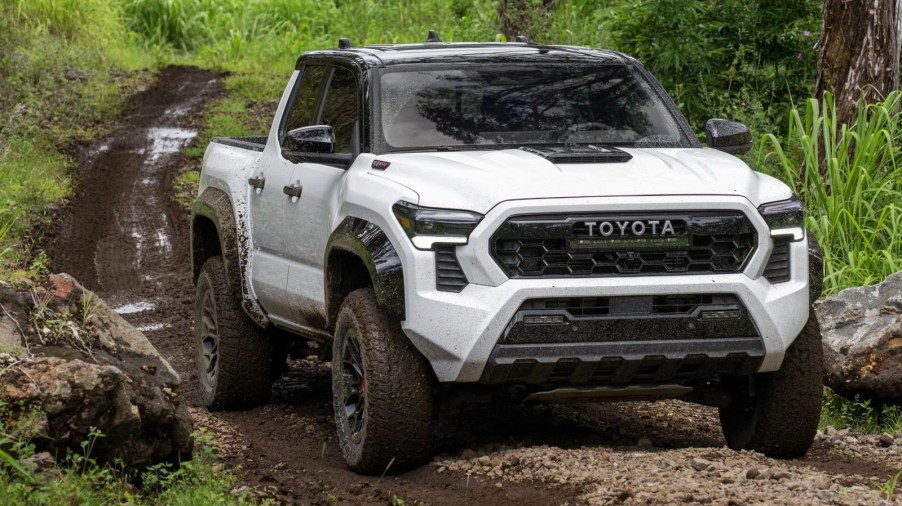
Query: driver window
x=340 y=109
x=305 y=110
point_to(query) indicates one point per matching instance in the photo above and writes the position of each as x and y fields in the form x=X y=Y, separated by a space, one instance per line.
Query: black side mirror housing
x=310 y=139
x=728 y=136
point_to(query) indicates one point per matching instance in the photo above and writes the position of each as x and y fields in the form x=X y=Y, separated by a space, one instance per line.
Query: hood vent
x=581 y=154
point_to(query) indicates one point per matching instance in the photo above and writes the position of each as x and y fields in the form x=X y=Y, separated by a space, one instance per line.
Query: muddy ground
x=124 y=236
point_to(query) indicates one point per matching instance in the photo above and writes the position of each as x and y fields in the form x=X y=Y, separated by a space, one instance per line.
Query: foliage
x=850 y=178
x=270 y=34
x=888 y=488
x=79 y=479
x=860 y=414
x=732 y=58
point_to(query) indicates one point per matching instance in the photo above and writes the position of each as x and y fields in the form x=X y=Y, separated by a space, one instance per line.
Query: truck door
x=319 y=176
x=269 y=183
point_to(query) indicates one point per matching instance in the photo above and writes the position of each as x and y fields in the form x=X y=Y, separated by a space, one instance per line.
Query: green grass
x=860 y=414
x=79 y=479
x=850 y=178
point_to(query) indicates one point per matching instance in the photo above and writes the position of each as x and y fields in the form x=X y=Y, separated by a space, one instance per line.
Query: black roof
x=379 y=55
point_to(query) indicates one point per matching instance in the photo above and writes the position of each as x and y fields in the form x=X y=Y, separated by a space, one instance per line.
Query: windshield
x=519 y=105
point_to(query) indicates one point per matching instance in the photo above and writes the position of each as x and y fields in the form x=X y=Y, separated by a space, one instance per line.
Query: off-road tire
x=397 y=383
x=780 y=420
x=242 y=370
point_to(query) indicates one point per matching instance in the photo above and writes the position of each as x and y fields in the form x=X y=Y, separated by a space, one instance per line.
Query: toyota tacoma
x=533 y=222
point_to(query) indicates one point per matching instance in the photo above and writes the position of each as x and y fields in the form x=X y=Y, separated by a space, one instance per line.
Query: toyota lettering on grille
x=637 y=227
x=622 y=235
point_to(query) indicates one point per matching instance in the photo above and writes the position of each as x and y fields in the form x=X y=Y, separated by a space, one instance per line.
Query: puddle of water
x=166 y=141
x=153 y=326
x=137 y=307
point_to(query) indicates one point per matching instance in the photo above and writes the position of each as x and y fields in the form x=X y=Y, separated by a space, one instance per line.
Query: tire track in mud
x=123 y=236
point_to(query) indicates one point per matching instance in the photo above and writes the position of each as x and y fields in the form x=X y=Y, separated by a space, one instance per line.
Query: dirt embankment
x=124 y=237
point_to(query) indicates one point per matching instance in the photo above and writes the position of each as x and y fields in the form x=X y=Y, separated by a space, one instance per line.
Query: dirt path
x=123 y=236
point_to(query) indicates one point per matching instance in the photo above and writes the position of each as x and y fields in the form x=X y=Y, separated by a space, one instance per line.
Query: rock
x=39 y=463
x=886 y=440
x=699 y=464
x=862 y=339
x=91 y=373
x=645 y=443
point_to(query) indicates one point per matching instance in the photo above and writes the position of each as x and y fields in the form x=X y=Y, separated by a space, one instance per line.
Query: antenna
x=433 y=37
x=523 y=38
x=344 y=43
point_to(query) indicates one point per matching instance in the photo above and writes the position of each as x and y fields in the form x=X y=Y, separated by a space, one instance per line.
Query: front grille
x=449 y=277
x=559 y=245
x=778 y=267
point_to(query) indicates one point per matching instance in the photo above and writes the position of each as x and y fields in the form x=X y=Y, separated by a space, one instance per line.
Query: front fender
x=369 y=243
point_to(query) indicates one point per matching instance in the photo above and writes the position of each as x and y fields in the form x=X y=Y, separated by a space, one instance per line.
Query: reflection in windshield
x=521 y=104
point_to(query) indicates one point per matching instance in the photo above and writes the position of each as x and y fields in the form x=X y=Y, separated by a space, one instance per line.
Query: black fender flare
x=370 y=244
x=216 y=206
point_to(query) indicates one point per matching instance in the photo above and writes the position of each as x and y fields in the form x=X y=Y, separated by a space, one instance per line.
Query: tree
x=859 y=52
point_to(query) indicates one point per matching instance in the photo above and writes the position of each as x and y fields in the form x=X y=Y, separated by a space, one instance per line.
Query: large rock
x=862 y=333
x=75 y=363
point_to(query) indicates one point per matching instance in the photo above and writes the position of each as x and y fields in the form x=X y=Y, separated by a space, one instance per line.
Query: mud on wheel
x=382 y=390
x=233 y=356
x=778 y=413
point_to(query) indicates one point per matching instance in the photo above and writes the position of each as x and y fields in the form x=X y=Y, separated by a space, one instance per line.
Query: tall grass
x=268 y=34
x=850 y=178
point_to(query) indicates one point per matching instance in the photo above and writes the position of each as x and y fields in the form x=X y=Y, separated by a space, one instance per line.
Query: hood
x=479 y=180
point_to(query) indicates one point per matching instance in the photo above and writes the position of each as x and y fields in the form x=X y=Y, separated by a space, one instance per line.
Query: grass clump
x=860 y=414
x=79 y=479
x=850 y=178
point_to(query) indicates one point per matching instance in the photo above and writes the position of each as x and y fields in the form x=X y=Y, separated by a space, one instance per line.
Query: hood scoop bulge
x=580 y=154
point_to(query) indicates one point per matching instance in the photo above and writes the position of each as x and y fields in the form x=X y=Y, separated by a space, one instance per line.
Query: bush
x=731 y=58
x=850 y=178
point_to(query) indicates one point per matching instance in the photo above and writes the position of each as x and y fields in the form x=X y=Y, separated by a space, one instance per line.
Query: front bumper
x=458 y=332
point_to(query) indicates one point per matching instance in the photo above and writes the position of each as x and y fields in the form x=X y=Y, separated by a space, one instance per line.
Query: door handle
x=293 y=190
x=257 y=182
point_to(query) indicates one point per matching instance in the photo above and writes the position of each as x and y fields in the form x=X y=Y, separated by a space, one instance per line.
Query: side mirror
x=310 y=139
x=728 y=136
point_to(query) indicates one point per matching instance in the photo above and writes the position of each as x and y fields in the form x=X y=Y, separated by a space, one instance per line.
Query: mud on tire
x=381 y=388
x=781 y=419
x=233 y=355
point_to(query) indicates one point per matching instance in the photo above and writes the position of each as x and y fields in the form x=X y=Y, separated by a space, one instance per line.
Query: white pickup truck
x=509 y=219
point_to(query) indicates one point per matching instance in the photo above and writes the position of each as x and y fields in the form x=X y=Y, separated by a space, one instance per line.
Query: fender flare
x=216 y=206
x=370 y=244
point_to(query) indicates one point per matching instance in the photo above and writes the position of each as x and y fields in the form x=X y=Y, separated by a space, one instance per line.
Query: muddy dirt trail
x=125 y=237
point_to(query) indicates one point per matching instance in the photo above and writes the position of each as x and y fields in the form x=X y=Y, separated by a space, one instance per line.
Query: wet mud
x=124 y=236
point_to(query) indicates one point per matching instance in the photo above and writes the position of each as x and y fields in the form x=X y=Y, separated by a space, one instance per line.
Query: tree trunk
x=518 y=16
x=859 y=52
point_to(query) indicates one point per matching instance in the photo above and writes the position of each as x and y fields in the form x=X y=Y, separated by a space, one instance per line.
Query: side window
x=340 y=108
x=306 y=104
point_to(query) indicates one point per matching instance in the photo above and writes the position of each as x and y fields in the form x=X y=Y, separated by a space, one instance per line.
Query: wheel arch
x=359 y=254
x=215 y=231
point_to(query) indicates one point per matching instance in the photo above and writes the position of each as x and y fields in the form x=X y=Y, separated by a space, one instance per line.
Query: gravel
x=665 y=466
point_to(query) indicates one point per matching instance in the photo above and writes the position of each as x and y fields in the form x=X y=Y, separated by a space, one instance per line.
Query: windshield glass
x=518 y=105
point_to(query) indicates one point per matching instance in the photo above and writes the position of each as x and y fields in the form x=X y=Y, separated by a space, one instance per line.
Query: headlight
x=427 y=227
x=785 y=218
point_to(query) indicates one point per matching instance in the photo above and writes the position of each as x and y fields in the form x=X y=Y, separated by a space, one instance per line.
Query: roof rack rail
x=344 y=43
x=433 y=37
x=523 y=38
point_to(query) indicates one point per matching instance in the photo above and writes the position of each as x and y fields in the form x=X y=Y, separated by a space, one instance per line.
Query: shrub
x=850 y=179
